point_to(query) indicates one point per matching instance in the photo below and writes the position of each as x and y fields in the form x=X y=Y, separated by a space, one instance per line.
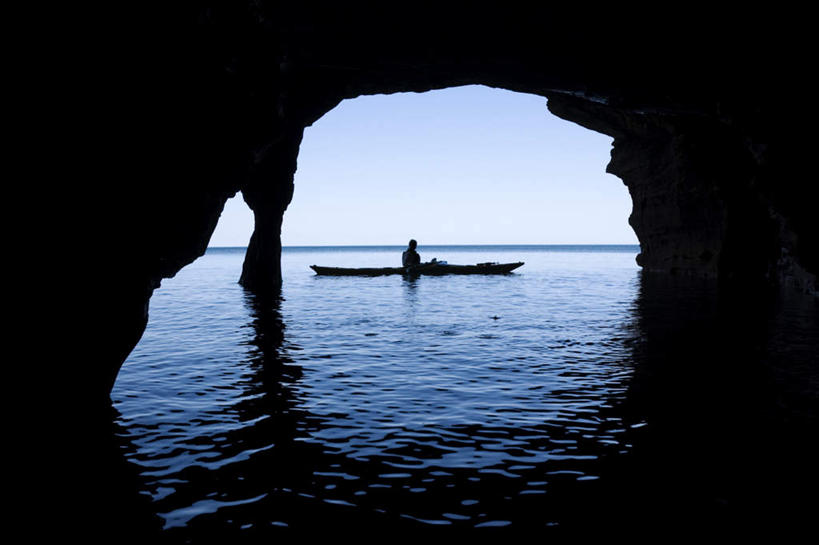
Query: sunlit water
x=534 y=399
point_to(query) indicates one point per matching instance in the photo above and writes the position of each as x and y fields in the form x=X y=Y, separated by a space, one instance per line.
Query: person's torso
x=410 y=257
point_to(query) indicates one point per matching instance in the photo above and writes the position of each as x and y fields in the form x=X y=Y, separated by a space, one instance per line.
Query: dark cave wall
x=697 y=209
x=211 y=99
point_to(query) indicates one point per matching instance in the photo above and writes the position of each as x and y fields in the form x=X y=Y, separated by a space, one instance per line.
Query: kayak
x=433 y=268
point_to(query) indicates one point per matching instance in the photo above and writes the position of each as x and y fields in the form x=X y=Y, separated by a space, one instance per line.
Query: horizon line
x=431 y=245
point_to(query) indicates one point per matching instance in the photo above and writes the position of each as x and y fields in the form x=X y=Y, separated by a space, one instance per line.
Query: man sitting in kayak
x=410 y=257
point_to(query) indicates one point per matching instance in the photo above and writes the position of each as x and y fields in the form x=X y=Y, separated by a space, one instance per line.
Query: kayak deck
x=422 y=269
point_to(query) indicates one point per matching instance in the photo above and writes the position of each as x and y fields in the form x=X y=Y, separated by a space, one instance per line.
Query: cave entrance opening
x=469 y=165
x=461 y=165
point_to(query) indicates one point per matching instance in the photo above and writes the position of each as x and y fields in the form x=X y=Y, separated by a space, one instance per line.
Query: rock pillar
x=268 y=192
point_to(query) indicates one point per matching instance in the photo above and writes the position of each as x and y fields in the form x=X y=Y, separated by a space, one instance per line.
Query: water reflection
x=725 y=381
x=410 y=285
x=98 y=493
x=259 y=456
x=695 y=407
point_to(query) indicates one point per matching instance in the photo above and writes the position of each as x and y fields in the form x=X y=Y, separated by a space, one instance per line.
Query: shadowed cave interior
x=707 y=111
x=704 y=135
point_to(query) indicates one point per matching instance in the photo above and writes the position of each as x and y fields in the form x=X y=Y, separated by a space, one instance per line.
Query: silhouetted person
x=410 y=257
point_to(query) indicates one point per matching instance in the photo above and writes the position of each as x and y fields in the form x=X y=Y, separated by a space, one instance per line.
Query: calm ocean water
x=574 y=391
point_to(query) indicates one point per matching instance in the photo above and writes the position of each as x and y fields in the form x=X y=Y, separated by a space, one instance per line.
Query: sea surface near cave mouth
x=567 y=392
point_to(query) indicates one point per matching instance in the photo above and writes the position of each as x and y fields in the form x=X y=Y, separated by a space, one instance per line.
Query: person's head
x=412 y=244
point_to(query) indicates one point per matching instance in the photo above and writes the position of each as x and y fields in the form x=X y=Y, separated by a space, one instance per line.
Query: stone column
x=268 y=192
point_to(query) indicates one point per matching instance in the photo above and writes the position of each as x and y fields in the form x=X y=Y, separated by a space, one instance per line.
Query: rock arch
x=707 y=136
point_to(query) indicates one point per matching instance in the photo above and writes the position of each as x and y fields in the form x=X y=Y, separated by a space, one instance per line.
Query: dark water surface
x=576 y=393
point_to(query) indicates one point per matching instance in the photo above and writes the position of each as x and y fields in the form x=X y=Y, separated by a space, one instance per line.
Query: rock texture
x=695 y=210
x=268 y=192
x=196 y=102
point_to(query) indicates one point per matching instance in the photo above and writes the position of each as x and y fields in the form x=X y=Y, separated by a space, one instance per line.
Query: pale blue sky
x=465 y=165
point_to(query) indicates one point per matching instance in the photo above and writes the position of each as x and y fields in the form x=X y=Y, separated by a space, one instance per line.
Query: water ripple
x=443 y=401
